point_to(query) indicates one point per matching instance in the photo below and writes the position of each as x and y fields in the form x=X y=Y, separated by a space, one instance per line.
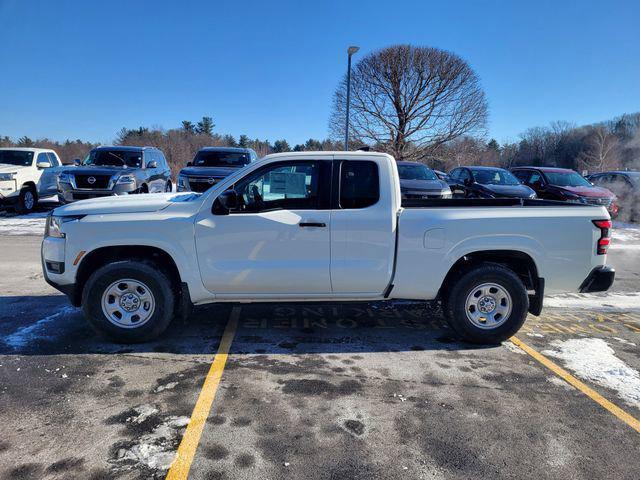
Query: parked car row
x=29 y=174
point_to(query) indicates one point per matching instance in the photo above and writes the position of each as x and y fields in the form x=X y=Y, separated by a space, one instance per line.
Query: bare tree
x=601 y=150
x=409 y=100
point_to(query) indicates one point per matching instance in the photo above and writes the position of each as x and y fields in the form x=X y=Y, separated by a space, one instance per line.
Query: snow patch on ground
x=514 y=348
x=625 y=236
x=155 y=450
x=559 y=382
x=25 y=335
x=597 y=301
x=594 y=360
x=31 y=224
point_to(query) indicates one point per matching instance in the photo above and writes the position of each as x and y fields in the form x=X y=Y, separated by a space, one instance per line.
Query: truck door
x=48 y=183
x=276 y=242
x=363 y=227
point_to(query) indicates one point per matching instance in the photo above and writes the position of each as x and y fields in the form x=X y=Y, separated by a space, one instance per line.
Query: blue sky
x=85 y=69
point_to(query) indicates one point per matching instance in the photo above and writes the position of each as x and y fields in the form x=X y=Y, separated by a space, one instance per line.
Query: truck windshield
x=566 y=179
x=415 y=172
x=216 y=158
x=16 y=157
x=114 y=158
x=494 y=177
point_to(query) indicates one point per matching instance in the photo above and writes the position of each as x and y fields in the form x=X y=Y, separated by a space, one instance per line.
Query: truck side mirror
x=189 y=164
x=42 y=164
x=152 y=164
x=226 y=202
x=77 y=162
x=468 y=182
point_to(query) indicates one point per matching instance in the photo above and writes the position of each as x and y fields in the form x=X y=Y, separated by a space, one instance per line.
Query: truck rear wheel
x=129 y=301
x=487 y=305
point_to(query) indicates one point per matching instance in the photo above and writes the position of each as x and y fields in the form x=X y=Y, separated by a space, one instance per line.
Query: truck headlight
x=182 y=182
x=446 y=193
x=53 y=226
x=126 y=180
x=8 y=176
x=64 y=178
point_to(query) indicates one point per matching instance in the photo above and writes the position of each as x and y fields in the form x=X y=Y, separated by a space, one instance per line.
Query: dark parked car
x=626 y=187
x=563 y=184
x=212 y=164
x=418 y=181
x=488 y=182
x=110 y=171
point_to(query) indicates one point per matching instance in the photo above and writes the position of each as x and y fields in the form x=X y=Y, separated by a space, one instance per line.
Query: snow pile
x=155 y=450
x=625 y=236
x=594 y=360
x=25 y=335
x=601 y=301
x=31 y=224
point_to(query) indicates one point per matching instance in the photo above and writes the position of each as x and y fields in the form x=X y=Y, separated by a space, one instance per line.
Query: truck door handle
x=312 y=224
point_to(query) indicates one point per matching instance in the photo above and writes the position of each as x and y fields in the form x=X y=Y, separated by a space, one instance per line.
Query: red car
x=566 y=185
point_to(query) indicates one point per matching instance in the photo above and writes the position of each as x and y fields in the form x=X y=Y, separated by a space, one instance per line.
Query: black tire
x=168 y=187
x=156 y=281
x=26 y=204
x=455 y=304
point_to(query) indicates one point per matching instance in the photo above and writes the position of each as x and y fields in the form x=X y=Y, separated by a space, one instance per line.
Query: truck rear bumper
x=599 y=280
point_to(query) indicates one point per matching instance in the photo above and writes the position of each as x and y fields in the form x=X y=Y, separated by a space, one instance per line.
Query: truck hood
x=4 y=168
x=217 y=172
x=149 y=202
x=513 y=191
x=596 y=192
x=425 y=185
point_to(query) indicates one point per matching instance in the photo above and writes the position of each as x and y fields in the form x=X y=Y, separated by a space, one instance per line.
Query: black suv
x=115 y=171
x=212 y=164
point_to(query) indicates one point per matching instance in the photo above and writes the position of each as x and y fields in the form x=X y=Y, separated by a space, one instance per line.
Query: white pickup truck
x=27 y=174
x=320 y=226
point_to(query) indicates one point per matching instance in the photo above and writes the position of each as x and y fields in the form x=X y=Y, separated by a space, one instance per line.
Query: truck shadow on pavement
x=48 y=325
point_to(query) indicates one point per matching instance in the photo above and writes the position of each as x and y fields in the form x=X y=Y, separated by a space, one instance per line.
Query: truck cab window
x=359 y=184
x=292 y=186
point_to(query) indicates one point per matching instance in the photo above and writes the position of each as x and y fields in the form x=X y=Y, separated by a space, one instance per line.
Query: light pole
x=351 y=50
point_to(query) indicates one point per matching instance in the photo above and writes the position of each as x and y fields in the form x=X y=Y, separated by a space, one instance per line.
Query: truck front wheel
x=129 y=301
x=488 y=304
x=27 y=200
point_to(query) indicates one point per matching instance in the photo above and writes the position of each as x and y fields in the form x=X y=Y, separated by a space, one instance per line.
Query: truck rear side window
x=359 y=184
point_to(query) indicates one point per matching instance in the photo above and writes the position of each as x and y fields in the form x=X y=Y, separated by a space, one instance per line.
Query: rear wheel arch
x=519 y=262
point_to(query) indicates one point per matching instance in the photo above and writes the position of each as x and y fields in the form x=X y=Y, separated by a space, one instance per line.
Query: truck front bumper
x=599 y=280
x=67 y=194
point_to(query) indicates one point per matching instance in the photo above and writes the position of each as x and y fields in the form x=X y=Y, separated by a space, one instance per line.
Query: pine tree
x=281 y=146
x=244 y=141
x=205 y=126
x=188 y=126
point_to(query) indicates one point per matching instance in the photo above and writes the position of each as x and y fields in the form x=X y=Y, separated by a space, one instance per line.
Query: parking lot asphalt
x=314 y=391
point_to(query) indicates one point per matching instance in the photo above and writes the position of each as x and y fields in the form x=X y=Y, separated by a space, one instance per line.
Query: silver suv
x=115 y=171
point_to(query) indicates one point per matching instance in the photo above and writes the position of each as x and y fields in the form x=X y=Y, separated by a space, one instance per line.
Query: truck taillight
x=605 y=235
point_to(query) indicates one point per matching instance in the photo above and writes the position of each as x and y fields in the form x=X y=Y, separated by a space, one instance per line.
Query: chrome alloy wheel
x=29 y=200
x=128 y=303
x=488 y=306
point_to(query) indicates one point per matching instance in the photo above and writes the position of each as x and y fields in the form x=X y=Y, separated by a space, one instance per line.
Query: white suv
x=27 y=174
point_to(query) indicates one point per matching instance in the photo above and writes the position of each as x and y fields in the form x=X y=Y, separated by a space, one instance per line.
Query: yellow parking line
x=589 y=392
x=186 y=451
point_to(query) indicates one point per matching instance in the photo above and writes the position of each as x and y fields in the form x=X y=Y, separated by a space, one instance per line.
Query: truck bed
x=486 y=202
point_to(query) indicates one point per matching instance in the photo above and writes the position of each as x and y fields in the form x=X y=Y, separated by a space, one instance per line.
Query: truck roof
x=224 y=149
x=544 y=169
x=125 y=148
x=329 y=152
x=28 y=149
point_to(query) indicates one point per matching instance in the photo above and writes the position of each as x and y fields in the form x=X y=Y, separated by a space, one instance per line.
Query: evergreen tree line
x=613 y=144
